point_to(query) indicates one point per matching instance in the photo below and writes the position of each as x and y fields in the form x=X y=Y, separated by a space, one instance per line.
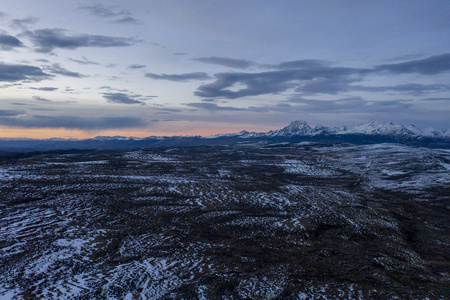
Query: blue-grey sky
x=86 y=68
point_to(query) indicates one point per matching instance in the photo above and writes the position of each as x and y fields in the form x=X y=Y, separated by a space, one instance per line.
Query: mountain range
x=297 y=131
x=374 y=128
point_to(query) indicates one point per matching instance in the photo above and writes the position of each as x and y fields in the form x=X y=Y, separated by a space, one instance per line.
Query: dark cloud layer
x=300 y=105
x=410 y=88
x=301 y=64
x=8 y=42
x=45 y=89
x=11 y=73
x=275 y=82
x=166 y=110
x=428 y=66
x=438 y=99
x=179 y=77
x=47 y=40
x=122 y=98
x=136 y=66
x=225 y=61
x=11 y=113
x=256 y=84
x=126 y=19
x=318 y=77
x=59 y=70
x=72 y=122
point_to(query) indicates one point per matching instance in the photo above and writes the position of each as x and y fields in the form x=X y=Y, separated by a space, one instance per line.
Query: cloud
x=428 y=66
x=41 y=99
x=350 y=105
x=244 y=64
x=275 y=82
x=279 y=107
x=213 y=107
x=11 y=113
x=110 y=12
x=225 y=61
x=84 y=61
x=179 y=77
x=73 y=122
x=404 y=57
x=410 y=88
x=8 y=85
x=319 y=77
x=301 y=105
x=122 y=98
x=58 y=69
x=256 y=84
x=324 y=85
x=23 y=23
x=136 y=66
x=127 y=19
x=11 y=73
x=302 y=64
x=45 y=89
x=8 y=42
x=42 y=109
x=47 y=40
x=165 y=111
x=438 y=99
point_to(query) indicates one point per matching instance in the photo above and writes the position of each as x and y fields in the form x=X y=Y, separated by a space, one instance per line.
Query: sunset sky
x=78 y=69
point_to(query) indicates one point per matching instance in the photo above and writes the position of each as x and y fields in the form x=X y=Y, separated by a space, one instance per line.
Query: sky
x=80 y=69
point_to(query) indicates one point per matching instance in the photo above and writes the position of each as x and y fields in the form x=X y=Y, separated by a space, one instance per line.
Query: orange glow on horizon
x=182 y=129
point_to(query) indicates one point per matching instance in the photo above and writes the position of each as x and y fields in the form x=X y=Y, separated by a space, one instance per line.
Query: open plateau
x=298 y=213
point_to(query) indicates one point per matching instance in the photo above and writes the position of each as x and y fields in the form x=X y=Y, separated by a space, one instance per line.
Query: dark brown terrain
x=250 y=221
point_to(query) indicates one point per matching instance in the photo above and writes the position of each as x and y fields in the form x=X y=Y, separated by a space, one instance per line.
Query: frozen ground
x=300 y=221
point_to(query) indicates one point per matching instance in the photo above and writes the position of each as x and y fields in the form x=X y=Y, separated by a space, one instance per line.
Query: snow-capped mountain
x=390 y=129
x=379 y=128
x=295 y=128
x=446 y=133
x=301 y=128
x=369 y=133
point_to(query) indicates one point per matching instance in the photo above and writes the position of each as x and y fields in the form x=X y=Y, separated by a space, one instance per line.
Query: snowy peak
x=391 y=129
x=324 y=130
x=378 y=128
x=446 y=133
x=414 y=129
x=297 y=127
x=243 y=133
x=301 y=128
